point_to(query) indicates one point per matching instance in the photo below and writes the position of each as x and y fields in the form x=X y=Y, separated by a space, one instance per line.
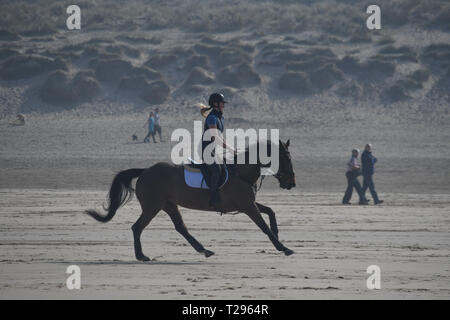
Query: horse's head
x=285 y=174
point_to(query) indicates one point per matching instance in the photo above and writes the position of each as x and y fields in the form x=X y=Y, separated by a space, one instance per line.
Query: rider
x=214 y=120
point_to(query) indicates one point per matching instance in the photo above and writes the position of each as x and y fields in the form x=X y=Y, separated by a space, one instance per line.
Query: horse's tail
x=120 y=193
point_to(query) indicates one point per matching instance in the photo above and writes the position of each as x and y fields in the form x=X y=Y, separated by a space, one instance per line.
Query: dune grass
x=333 y=16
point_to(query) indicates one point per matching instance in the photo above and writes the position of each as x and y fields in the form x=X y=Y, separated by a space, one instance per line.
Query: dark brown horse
x=162 y=187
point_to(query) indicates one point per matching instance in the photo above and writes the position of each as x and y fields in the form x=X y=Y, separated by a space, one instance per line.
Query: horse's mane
x=265 y=143
x=268 y=143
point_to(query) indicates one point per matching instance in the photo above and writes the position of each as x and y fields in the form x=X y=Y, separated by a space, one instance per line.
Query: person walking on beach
x=368 y=164
x=151 y=127
x=353 y=171
x=158 y=125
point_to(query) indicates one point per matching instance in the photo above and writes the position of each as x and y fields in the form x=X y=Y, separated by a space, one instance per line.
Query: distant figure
x=151 y=128
x=368 y=163
x=157 y=124
x=135 y=137
x=353 y=171
x=20 y=121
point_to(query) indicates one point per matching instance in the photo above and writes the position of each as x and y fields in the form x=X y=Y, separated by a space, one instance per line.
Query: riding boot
x=213 y=188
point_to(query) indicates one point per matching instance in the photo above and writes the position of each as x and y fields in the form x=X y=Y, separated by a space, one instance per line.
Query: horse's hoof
x=288 y=252
x=208 y=253
x=144 y=258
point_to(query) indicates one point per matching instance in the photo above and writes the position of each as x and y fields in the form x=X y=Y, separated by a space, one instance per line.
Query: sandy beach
x=311 y=70
x=48 y=182
x=44 y=232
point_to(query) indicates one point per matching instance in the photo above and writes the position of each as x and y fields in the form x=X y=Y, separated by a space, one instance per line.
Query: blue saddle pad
x=196 y=180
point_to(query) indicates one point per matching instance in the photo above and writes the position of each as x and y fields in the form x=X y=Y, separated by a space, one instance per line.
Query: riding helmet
x=216 y=97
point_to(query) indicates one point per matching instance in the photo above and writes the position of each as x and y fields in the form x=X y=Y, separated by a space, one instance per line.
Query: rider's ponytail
x=204 y=110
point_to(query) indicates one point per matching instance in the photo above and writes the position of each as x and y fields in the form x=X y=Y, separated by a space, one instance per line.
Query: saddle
x=196 y=175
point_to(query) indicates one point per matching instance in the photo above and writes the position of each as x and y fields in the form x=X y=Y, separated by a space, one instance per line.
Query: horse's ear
x=287 y=143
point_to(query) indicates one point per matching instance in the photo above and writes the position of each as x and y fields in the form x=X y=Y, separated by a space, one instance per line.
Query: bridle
x=280 y=174
x=284 y=174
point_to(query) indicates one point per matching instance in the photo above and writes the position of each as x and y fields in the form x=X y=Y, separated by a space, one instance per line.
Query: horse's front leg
x=272 y=219
x=253 y=212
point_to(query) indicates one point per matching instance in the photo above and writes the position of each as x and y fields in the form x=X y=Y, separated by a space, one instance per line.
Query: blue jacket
x=151 y=124
x=216 y=119
x=368 y=163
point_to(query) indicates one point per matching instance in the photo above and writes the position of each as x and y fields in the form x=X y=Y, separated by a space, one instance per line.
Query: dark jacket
x=213 y=118
x=368 y=163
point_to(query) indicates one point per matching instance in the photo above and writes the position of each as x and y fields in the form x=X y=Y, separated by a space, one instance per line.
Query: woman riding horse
x=214 y=125
x=162 y=187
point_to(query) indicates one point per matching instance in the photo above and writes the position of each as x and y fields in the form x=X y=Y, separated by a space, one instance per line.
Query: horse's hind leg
x=147 y=215
x=175 y=215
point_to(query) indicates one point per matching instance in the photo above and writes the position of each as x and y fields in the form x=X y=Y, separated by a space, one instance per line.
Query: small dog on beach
x=20 y=121
x=135 y=137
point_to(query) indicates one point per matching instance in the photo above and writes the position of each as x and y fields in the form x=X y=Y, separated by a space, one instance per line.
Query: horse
x=162 y=187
